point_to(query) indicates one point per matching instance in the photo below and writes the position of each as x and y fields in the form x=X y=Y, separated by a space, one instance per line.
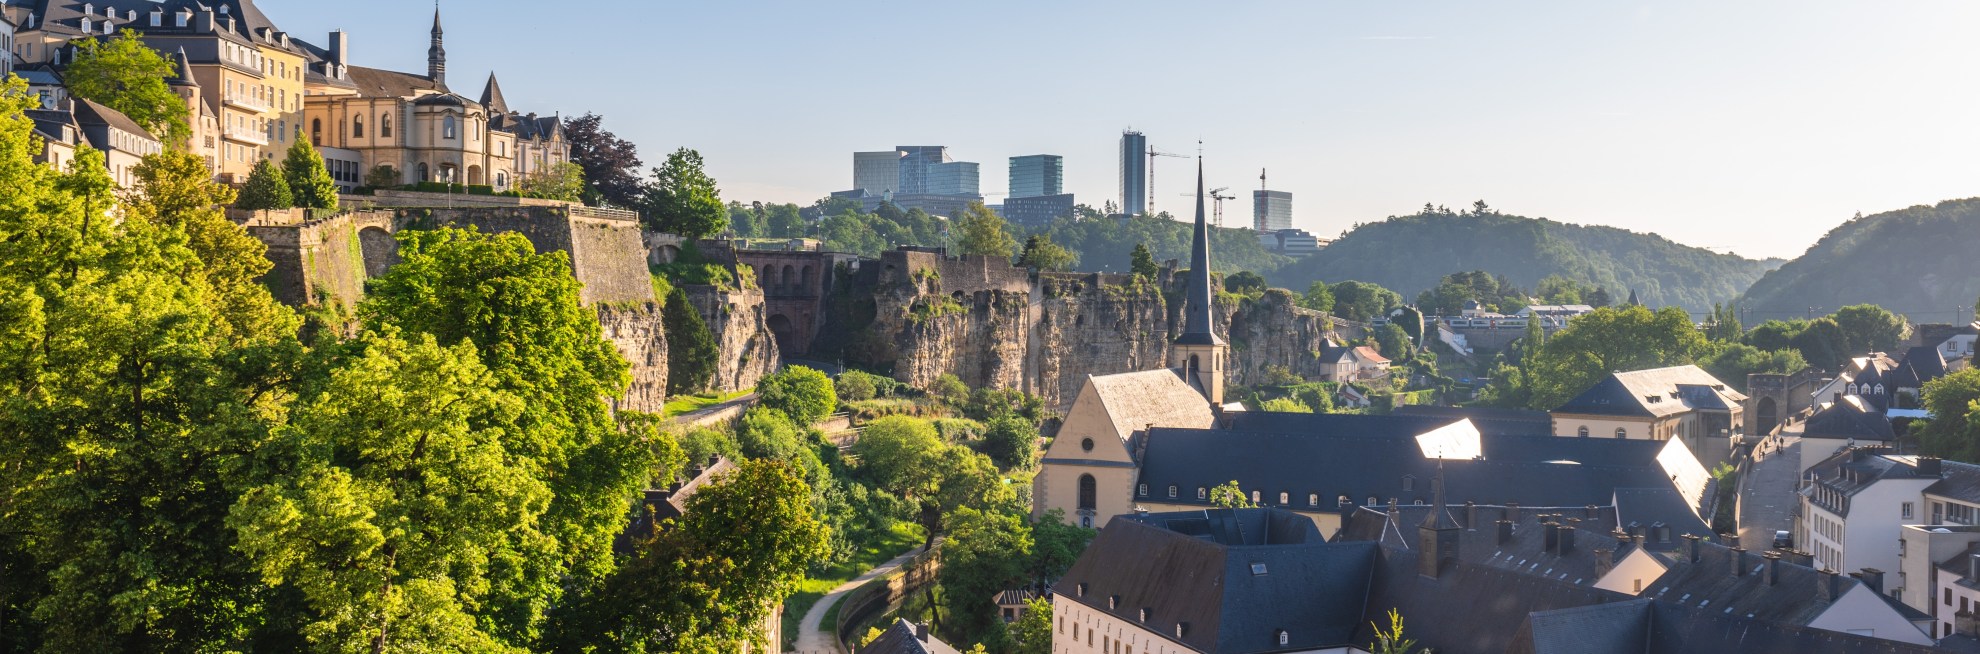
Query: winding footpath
x=816 y=638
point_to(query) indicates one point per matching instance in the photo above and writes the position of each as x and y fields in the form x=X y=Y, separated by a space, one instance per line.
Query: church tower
x=436 y=56
x=1198 y=351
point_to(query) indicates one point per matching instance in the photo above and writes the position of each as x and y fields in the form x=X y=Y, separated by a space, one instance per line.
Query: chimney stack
x=1801 y=558
x=1470 y=515
x=921 y=631
x=1964 y=623
x=1770 y=568
x=1738 y=561
x=1691 y=547
x=1567 y=540
x=1830 y=585
x=1552 y=533
x=1506 y=533
x=1512 y=511
x=1592 y=511
x=1873 y=578
x=1605 y=560
x=1929 y=466
x=1973 y=568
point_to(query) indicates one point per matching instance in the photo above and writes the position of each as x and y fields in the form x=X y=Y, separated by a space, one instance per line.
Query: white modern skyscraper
x=1036 y=175
x=1271 y=211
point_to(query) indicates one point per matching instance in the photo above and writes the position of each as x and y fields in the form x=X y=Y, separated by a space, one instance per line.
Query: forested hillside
x=1917 y=261
x=1104 y=244
x=1411 y=253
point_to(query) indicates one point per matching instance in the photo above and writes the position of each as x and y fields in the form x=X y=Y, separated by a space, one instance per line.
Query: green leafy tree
x=705 y=585
x=1732 y=363
x=1142 y=262
x=691 y=350
x=123 y=74
x=1394 y=342
x=784 y=220
x=1775 y=334
x=561 y=181
x=176 y=190
x=1724 y=326
x=985 y=555
x=1361 y=301
x=1012 y=442
x=1244 y=281
x=381 y=176
x=309 y=180
x=1318 y=297
x=1228 y=495
x=683 y=199
x=950 y=389
x=1555 y=289
x=1823 y=343
x=1055 y=544
x=804 y=394
x=983 y=233
x=901 y=455
x=1032 y=632
x=745 y=221
x=855 y=386
x=1284 y=405
x=1953 y=431
x=1870 y=328
x=404 y=522
x=1599 y=298
x=1040 y=253
x=266 y=189
x=1411 y=321
x=1599 y=343
x=522 y=312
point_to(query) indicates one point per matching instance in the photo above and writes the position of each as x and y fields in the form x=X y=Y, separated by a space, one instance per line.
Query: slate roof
x=1487 y=420
x=90 y=113
x=1365 y=457
x=1795 y=598
x=1919 y=365
x=491 y=97
x=1657 y=392
x=1233 y=598
x=1851 y=471
x=1957 y=480
x=899 y=639
x=658 y=505
x=1957 y=565
x=1135 y=400
x=379 y=83
x=1851 y=417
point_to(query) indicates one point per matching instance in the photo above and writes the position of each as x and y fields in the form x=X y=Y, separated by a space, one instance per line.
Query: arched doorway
x=785 y=333
x=474 y=176
x=380 y=250
x=1767 y=416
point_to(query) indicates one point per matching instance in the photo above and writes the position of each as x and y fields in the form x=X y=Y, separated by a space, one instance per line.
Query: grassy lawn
x=875 y=551
x=691 y=403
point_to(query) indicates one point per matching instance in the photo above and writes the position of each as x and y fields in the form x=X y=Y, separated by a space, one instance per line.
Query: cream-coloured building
x=1658 y=404
x=422 y=130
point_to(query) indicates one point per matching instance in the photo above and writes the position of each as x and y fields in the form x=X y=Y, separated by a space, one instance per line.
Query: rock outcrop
x=736 y=319
x=636 y=331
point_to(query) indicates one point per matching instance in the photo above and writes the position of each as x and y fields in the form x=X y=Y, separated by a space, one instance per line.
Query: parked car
x=1783 y=540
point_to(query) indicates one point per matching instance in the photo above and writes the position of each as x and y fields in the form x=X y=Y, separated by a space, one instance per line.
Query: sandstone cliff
x=736 y=319
x=635 y=330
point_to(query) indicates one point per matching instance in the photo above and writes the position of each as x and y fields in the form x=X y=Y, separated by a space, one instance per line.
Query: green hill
x=1411 y=253
x=1918 y=261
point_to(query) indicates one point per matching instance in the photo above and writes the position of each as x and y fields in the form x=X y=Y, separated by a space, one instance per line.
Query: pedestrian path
x=817 y=638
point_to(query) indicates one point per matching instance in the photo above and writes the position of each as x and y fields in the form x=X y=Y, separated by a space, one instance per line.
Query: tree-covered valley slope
x=1918 y=261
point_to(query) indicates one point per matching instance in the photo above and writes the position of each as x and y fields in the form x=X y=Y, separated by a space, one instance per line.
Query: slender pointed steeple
x=1198 y=326
x=1437 y=537
x=1198 y=352
x=436 y=55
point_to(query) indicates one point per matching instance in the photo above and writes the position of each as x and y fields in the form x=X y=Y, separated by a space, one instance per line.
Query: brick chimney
x=1566 y=540
x=1738 y=559
x=1470 y=515
x=921 y=631
x=1506 y=532
x=1605 y=560
x=1770 y=569
x=1873 y=578
x=1830 y=585
x=1512 y=511
x=1592 y=511
x=1691 y=547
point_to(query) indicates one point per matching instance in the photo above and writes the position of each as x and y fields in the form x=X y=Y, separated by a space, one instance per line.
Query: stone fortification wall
x=738 y=322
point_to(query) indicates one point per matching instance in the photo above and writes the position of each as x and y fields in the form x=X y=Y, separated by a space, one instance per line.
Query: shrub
x=856 y=386
x=802 y=393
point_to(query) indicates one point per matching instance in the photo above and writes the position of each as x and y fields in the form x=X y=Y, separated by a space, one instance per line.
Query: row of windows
x=1621 y=432
x=1285 y=497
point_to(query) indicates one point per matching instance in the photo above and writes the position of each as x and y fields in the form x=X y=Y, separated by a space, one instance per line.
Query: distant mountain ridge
x=1409 y=254
x=1919 y=261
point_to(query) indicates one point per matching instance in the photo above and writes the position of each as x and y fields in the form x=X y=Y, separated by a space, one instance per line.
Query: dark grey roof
x=1376 y=456
x=1920 y=364
x=1614 y=627
x=1852 y=470
x=90 y=113
x=1487 y=420
x=1795 y=598
x=658 y=505
x=1852 y=417
x=378 y=83
x=1655 y=392
x=444 y=98
x=899 y=638
x=1957 y=480
x=491 y=97
x=1471 y=608
x=1233 y=599
x=1401 y=424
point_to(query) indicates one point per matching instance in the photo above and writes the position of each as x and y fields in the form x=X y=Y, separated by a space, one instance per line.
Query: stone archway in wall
x=1766 y=415
x=785 y=333
x=380 y=250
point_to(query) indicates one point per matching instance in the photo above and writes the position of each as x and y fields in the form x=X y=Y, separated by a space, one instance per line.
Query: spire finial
x=1197 y=324
x=436 y=56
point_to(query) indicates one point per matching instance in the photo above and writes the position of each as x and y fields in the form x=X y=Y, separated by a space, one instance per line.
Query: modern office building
x=1292 y=242
x=915 y=162
x=877 y=173
x=1038 y=210
x=953 y=178
x=1036 y=175
x=1271 y=211
x=1134 y=173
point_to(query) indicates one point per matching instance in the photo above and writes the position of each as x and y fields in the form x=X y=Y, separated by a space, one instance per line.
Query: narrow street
x=814 y=637
x=1767 y=495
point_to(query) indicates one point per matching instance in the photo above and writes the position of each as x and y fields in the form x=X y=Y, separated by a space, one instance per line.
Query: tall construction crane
x=1152 y=154
x=1217 y=197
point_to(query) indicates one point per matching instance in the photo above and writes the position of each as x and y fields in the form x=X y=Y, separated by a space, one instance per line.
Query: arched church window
x=1088 y=493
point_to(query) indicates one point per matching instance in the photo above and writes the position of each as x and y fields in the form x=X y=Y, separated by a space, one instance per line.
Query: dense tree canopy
x=124 y=74
x=1913 y=261
x=1595 y=345
x=983 y=232
x=267 y=188
x=682 y=199
x=309 y=180
x=611 y=164
x=804 y=394
x=1953 y=431
x=691 y=350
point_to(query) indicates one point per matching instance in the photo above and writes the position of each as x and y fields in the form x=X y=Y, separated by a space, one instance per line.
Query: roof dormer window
x=1284 y=637
x=86 y=25
x=157 y=17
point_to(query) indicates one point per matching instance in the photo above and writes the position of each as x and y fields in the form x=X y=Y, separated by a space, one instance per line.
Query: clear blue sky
x=1750 y=126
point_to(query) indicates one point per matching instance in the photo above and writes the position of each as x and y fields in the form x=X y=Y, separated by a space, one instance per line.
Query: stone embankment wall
x=634 y=328
x=736 y=319
x=993 y=325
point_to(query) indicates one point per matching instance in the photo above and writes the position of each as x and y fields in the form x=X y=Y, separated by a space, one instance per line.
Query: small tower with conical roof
x=436 y=55
x=1198 y=352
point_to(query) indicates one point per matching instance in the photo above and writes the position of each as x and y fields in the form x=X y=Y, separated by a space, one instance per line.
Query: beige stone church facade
x=1089 y=471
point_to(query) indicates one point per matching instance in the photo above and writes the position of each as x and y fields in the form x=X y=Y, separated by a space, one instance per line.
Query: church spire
x=436 y=56
x=1198 y=327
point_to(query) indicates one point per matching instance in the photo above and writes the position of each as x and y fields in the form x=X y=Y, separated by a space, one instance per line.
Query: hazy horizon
x=1754 y=128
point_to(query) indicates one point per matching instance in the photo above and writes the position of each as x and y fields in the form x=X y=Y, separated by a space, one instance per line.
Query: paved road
x=817 y=638
x=699 y=416
x=1767 y=499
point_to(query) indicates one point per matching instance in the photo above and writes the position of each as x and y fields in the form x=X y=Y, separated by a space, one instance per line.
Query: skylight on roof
x=1257 y=568
x=1458 y=441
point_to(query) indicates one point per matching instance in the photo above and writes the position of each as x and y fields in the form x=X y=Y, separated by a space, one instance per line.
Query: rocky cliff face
x=1272 y=331
x=635 y=330
x=977 y=335
x=1095 y=325
x=736 y=318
